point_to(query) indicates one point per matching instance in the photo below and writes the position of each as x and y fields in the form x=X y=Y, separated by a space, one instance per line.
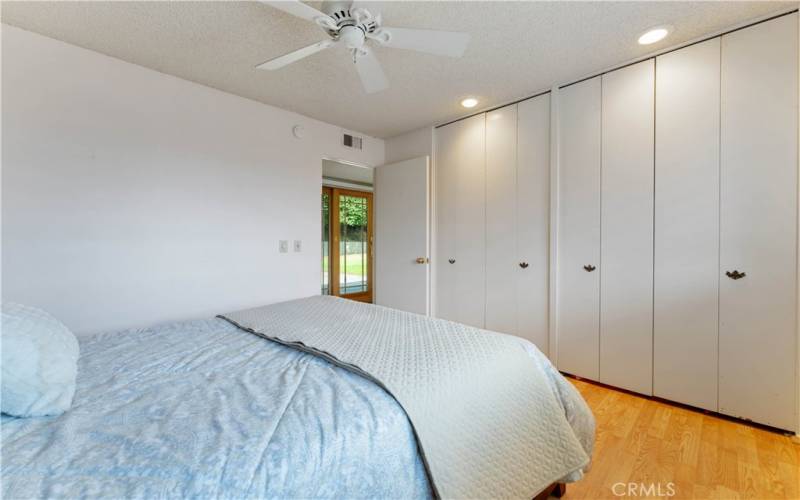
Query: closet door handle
x=523 y=265
x=452 y=261
x=735 y=275
x=589 y=268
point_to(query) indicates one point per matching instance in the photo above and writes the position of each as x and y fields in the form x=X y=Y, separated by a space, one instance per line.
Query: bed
x=206 y=409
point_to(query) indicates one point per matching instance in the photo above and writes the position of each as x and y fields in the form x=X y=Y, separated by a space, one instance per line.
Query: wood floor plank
x=704 y=456
x=723 y=493
x=789 y=477
x=639 y=432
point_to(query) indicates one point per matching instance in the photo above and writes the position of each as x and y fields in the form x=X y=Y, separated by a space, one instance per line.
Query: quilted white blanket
x=489 y=422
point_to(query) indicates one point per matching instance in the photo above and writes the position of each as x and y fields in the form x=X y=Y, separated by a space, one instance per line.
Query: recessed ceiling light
x=653 y=35
x=469 y=102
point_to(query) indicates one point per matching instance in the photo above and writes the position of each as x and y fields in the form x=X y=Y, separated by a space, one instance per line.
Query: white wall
x=797 y=435
x=347 y=172
x=410 y=145
x=130 y=197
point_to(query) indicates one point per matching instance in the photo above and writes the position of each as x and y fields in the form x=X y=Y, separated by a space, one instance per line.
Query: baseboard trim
x=777 y=430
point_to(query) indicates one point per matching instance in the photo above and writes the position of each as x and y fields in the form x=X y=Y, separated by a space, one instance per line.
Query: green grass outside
x=352 y=264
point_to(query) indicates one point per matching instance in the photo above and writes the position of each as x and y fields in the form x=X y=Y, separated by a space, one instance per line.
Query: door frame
x=334 y=264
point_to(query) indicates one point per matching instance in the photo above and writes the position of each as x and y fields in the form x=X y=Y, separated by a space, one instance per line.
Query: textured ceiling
x=517 y=48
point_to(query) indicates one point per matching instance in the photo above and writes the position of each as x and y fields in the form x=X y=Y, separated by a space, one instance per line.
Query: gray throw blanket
x=488 y=419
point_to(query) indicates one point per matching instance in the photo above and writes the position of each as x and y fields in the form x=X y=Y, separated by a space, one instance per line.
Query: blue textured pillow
x=39 y=362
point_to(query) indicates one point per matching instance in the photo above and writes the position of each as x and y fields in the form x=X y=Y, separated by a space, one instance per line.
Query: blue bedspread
x=202 y=409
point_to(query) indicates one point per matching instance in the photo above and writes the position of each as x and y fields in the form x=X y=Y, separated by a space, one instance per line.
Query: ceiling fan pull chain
x=359 y=52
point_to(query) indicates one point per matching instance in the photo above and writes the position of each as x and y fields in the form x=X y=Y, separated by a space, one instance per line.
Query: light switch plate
x=298 y=245
x=283 y=246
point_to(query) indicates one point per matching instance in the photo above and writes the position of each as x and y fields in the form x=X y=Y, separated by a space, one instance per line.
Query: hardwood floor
x=648 y=442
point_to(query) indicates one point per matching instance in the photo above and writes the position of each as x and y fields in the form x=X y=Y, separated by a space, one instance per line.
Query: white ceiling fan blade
x=299 y=9
x=298 y=54
x=369 y=70
x=444 y=43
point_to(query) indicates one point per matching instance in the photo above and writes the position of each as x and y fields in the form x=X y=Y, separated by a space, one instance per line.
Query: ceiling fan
x=357 y=29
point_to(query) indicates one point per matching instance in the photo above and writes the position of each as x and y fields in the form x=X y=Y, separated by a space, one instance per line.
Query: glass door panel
x=326 y=240
x=347 y=244
x=353 y=244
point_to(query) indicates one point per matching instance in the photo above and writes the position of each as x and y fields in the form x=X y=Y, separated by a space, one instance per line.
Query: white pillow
x=39 y=362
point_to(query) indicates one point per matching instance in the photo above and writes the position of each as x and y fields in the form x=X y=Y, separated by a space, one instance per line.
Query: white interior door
x=686 y=279
x=758 y=223
x=501 y=220
x=578 y=273
x=402 y=229
x=533 y=220
x=626 y=282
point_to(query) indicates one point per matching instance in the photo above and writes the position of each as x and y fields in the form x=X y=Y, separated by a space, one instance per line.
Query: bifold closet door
x=758 y=200
x=578 y=273
x=686 y=279
x=501 y=220
x=460 y=208
x=517 y=211
x=533 y=220
x=626 y=280
x=444 y=275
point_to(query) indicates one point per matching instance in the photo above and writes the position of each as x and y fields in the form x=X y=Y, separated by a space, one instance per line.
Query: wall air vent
x=352 y=141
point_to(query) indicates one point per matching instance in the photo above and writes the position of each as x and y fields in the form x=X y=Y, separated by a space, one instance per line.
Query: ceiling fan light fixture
x=352 y=37
x=469 y=102
x=654 y=35
x=357 y=29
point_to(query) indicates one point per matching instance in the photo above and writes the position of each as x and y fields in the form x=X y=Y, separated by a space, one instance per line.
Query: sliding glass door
x=347 y=243
x=326 y=240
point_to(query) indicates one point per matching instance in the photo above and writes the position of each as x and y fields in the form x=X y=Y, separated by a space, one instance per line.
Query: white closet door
x=758 y=200
x=501 y=220
x=686 y=264
x=533 y=217
x=578 y=274
x=626 y=283
x=446 y=163
x=470 y=259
